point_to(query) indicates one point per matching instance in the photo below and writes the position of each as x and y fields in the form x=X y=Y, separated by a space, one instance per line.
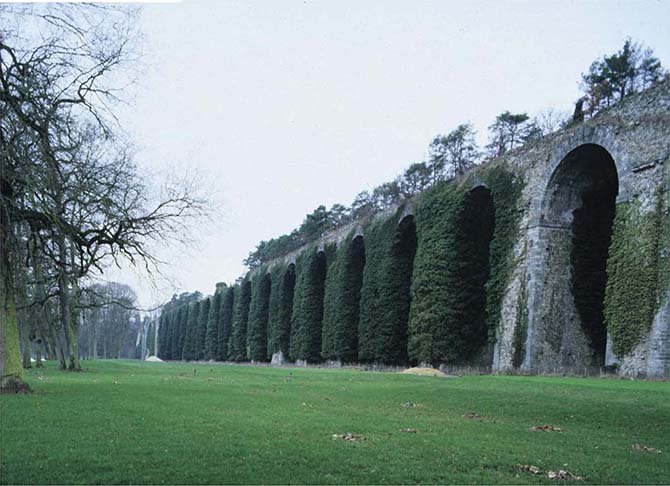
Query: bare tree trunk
x=38 y=354
x=64 y=298
x=25 y=339
x=11 y=371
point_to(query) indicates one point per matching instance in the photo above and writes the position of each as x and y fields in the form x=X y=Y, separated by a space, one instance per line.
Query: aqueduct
x=570 y=274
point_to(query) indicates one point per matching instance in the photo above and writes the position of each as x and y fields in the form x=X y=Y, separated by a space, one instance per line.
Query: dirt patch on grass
x=423 y=372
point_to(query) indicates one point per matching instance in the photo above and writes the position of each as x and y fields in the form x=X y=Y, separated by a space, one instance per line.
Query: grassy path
x=133 y=422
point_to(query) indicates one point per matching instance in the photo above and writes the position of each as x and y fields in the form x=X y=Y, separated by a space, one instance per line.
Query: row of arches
x=354 y=303
x=429 y=286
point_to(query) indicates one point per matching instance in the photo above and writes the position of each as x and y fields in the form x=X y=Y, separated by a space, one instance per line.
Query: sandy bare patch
x=423 y=372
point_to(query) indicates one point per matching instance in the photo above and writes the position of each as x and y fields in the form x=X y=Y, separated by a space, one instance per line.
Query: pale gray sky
x=286 y=105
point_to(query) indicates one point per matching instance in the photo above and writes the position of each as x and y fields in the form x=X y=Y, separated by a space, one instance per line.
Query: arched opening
x=578 y=213
x=395 y=290
x=475 y=231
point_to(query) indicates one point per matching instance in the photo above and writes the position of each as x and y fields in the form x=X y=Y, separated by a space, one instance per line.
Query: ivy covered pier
x=550 y=258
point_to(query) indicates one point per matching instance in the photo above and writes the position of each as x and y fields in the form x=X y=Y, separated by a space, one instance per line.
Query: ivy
x=378 y=239
x=521 y=325
x=238 y=342
x=463 y=265
x=632 y=275
x=307 y=317
x=506 y=190
x=203 y=318
x=342 y=301
x=212 y=335
x=281 y=308
x=226 y=323
x=257 y=336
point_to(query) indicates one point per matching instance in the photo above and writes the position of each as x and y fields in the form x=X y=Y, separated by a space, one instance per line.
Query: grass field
x=134 y=422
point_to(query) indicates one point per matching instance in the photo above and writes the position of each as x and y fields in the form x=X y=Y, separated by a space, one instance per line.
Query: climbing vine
x=257 y=336
x=520 y=325
x=463 y=265
x=342 y=299
x=307 y=318
x=238 y=342
x=281 y=307
x=632 y=275
x=379 y=236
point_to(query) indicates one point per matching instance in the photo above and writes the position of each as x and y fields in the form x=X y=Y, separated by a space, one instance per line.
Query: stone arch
x=571 y=230
x=475 y=227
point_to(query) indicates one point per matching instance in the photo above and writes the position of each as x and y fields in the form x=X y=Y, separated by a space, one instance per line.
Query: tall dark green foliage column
x=258 y=316
x=226 y=323
x=212 y=335
x=281 y=308
x=378 y=239
x=307 y=316
x=163 y=344
x=189 y=352
x=238 y=343
x=342 y=302
x=202 y=329
x=396 y=279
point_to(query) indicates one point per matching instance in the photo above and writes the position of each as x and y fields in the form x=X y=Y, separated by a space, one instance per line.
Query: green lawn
x=134 y=422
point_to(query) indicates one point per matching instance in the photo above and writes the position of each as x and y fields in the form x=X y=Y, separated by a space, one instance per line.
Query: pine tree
x=212 y=336
x=203 y=318
x=226 y=323
x=258 y=316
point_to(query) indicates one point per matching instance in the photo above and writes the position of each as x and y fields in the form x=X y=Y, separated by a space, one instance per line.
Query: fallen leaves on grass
x=474 y=416
x=564 y=475
x=529 y=468
x=546 y=428
x=560 y=474
x=408 y=430
x=644 y=448
x=349 y=437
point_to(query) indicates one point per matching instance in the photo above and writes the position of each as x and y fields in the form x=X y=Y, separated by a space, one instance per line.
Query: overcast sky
x=286 y=105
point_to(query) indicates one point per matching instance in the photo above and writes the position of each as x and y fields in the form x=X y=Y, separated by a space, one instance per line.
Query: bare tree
x=66 y=172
